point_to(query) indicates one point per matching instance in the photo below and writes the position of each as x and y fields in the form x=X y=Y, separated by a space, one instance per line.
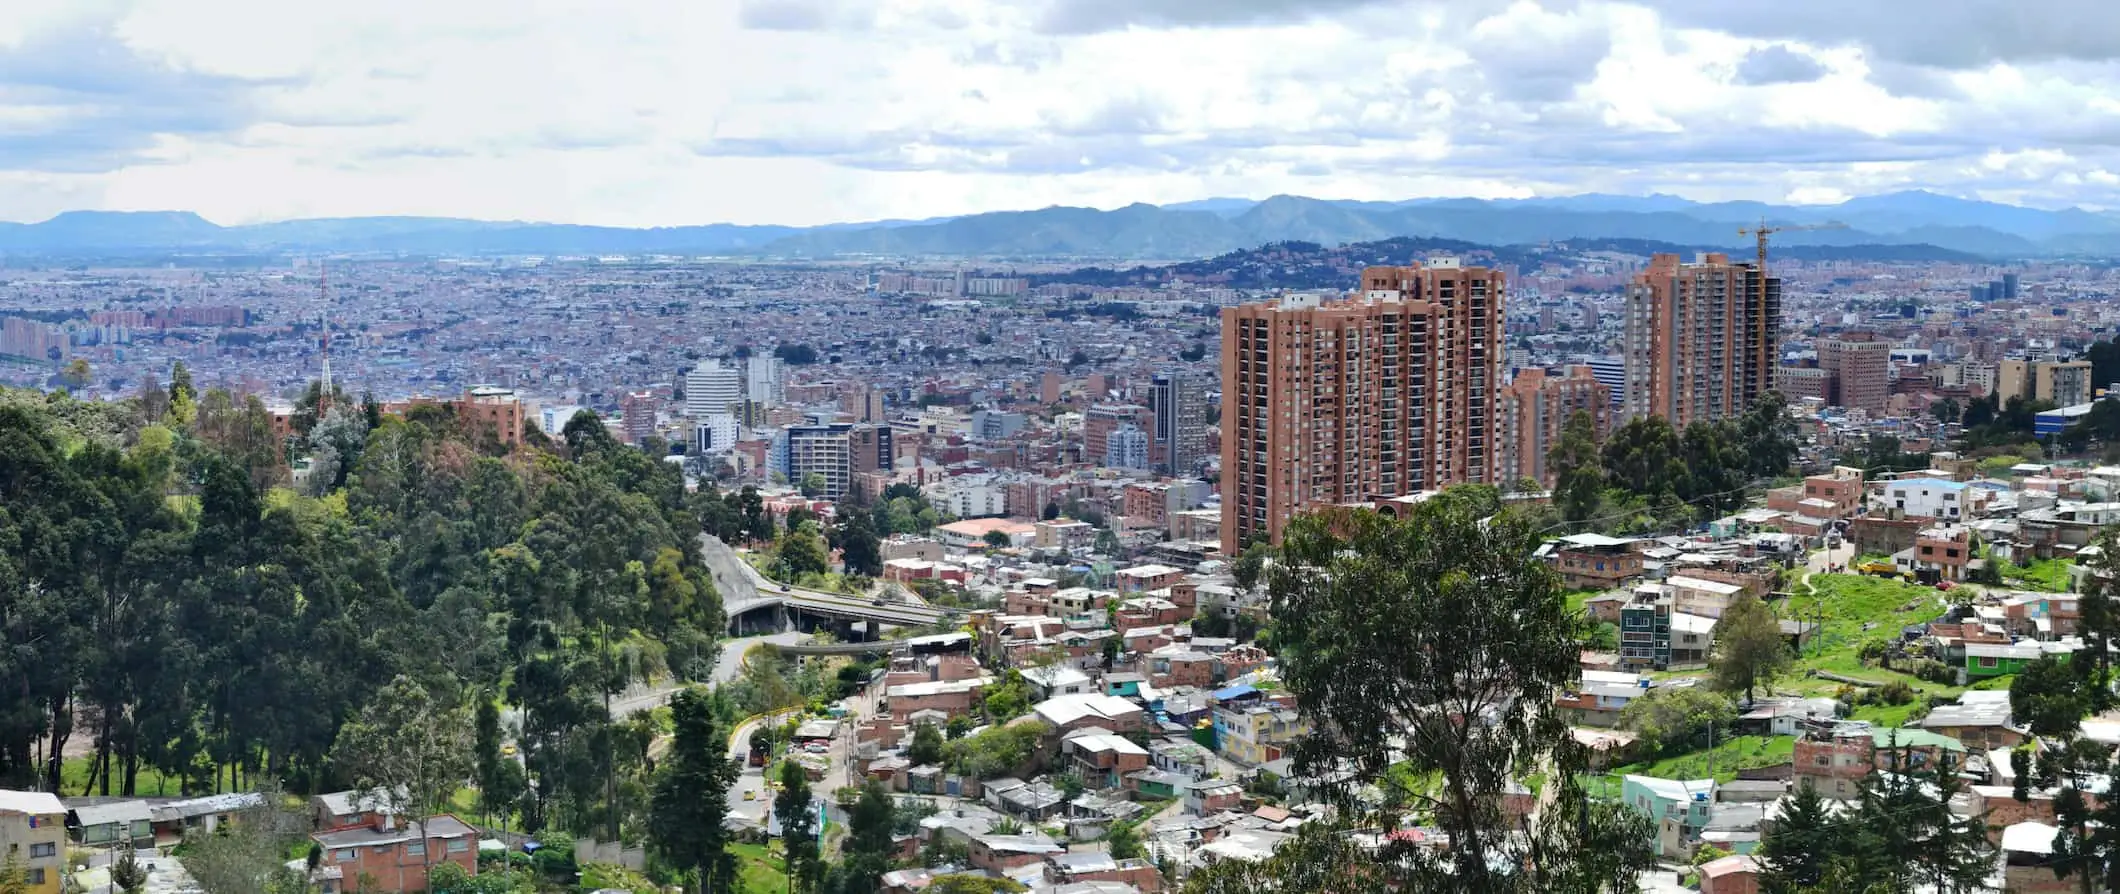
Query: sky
x=667 y=112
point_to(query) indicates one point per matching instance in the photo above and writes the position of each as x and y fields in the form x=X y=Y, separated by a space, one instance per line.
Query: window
x=459 y=845
x=416 y=849
x=1987 y=661
x=35 y=876
x=347 y=856
x=44 y=849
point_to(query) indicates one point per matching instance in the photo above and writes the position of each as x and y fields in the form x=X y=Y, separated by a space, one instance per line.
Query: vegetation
x=1900 y=836
x=1438 y=634
x=1749 y=649
x=1677 y=719
x=692 y=797
x=798 y=829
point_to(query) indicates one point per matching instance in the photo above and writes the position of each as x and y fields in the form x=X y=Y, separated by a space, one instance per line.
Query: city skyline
x=814 y=111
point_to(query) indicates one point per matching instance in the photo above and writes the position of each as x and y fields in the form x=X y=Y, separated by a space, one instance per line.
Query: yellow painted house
x=33 y=835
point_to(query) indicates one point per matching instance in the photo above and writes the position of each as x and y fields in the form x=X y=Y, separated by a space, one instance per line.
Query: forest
x=193 y=602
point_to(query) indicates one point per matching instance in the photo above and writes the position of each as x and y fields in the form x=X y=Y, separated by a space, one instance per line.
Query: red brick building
x=393 y=858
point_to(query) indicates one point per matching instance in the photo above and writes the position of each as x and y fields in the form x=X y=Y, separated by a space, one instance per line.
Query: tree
x=1108 y=543
x=1766 y=436
x=859 y=548
x=1749 y=649
x=1677 y=718
x=408 y=751
x=996 y=539
x=812 y=484
x=1123 y=843
x=796 y=354
x=1643 y=455
x=1008 y=699
x=2047 y=696
x=802 y=551
x=1946 y=410
x=926 y=748
x=691 y=797
x=76 y=375
x=798 y=828
x=1438 y=634
x=1578 y=474
x=127 y=873
x=866 y=854
x=974 y=884
x=1795 y=853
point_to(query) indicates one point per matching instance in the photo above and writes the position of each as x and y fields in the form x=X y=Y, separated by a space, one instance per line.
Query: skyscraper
x=711 y=389
x=1385 y=393
x=1702 y=338
x=1177 y=404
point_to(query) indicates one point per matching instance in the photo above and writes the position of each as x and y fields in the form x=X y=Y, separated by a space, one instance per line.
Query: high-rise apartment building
x=712 y=388
x=1177 y=402
x=1101 y=420
x=764 y=380
x=1702 y=338
x=1382 y=394
x=637 y=412
x=1858 y=368
x=2064 y=383
x=1126 y=447
x=1534 y=409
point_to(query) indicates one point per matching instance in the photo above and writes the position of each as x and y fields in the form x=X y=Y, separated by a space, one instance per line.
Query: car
x=749 y=795
x=508 y=750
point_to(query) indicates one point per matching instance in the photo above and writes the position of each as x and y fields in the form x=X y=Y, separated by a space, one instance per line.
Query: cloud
x=1957 y=34
x=804 y=15
x=1777 y=64
x=81 y=100
x=1091 y=16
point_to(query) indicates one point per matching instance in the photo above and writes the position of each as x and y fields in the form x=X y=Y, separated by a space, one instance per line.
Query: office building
x=1101 y=420
x=1388 y=392
x=712 y=388
x=1858 y=370
x=996 y=425
x=2009 y=287
x=1534 y=409
x=1177 y=402
x=1126 y=447
x=764 y=380
x=715 y=435
x=1612 y=371
x=823 y=450
x=1702 y=338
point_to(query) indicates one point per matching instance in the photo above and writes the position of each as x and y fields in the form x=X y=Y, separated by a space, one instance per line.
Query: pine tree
x=798 y=828
x=691 y=798
x=1796 y=854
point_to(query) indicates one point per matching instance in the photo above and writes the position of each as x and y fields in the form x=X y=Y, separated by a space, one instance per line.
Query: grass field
x=2046 y=575
x=74 y=774
x=1726 y=759
x=761 y=868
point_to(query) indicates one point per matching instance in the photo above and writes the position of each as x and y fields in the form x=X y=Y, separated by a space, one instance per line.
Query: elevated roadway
x=744 y=590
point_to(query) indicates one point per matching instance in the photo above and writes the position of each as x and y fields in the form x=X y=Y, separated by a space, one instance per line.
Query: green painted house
x=1983 y=660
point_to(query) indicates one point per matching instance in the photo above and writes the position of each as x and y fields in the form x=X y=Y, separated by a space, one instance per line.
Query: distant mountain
x=1200 y=229
x=1310 y=265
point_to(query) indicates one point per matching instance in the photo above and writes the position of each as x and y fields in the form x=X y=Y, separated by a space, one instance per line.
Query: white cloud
x=801 y=111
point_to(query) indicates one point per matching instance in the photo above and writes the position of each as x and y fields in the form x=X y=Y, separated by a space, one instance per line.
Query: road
x=726 y=667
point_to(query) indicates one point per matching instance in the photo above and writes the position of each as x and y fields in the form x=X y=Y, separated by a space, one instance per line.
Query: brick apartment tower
x=1534 y=409
x=1702 y=338
x=1382 y=394
x=1858 y=366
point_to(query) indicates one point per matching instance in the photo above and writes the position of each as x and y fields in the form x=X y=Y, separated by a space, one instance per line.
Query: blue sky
x=646 y=112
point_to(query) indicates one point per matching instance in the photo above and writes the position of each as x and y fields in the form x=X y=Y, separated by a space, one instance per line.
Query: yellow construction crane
x=1764 y=362
x=1762 y=231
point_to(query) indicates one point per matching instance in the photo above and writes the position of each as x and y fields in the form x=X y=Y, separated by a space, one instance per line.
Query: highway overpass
x=745 y=592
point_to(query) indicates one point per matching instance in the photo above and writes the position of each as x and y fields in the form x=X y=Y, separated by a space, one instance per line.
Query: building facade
x=1385 y=393
x=1702 y=338
x=1535 y=407
x=1177 y=402
x=712 y=389
x=33 y=835
x=1858 y=367
x=1101 y=420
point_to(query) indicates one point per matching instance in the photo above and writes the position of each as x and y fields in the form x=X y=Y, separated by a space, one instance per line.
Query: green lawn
x=762 y=869
x=149 y=783
x=2047 y=575
x=1726 y=758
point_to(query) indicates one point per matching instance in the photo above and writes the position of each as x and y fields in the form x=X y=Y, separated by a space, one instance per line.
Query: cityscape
x=1059 y=447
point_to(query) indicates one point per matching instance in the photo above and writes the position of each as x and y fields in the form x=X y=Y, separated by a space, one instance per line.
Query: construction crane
x=1761 y=232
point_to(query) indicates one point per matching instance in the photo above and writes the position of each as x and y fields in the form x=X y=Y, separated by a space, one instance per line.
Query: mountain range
x=1195 y=229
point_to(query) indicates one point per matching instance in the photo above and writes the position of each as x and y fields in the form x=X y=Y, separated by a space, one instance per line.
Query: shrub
x=1897 y=692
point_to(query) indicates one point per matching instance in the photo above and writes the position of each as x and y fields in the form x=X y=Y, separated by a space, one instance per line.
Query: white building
x=554 y=419
x=1126 y=448
x=712 y=388
x=715 y=434
x=766 y=382
x=1925 y=498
